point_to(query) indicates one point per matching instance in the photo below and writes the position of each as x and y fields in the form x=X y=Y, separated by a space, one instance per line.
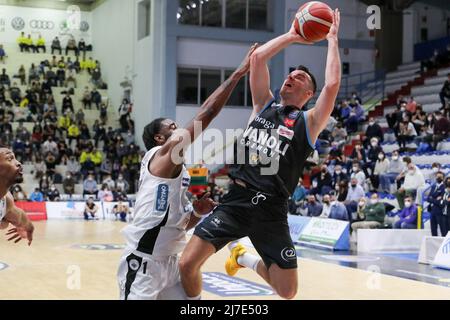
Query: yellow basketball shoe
x=231 y=265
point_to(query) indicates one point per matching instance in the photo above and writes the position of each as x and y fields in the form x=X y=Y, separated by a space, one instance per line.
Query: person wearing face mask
x=297 y=197
x=441 y=130
x=371 y=214
x=338 y=211
x=357 y=173
x=324 y=181
x=372 y=156
x=381 y=166
x=326 y=208
x=396 y=166
x=408 y=215
x=90 y=186
x=425 y=189
x=338 y=176
x=122 y=184
x=435 y=197
x=53 y=193
x=413 y=180
x=373 y=131
x=355 y=192
x=313 y=207
x=69 y=184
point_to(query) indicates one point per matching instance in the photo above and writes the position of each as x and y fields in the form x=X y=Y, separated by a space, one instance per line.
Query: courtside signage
x=223 y=285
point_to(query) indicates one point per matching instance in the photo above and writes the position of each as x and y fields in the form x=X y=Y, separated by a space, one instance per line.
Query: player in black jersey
x=256 y=205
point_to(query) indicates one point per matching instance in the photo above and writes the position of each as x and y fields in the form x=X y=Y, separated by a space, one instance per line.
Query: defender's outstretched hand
x=205 y=204
x=20 y=233
x=245 y=64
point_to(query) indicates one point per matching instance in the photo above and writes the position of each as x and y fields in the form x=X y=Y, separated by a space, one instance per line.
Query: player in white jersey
x=149 y=266
x=10 y=174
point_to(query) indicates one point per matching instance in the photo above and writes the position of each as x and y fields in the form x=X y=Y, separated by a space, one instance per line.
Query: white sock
x=199 y=297
x=249 y=261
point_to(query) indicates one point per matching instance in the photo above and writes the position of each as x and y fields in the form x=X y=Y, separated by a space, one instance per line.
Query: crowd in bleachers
x=105 y=160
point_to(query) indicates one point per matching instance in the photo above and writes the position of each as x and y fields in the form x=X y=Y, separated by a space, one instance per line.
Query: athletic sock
x=249 y=261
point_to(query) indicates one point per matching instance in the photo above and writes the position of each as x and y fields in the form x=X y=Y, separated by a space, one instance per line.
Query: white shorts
x=143 y=277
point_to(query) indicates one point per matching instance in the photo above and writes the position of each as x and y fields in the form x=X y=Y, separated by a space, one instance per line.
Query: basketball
x=313 y=21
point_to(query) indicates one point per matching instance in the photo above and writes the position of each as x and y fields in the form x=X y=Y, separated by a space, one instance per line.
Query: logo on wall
x=97 y=247
x=42 y=24
x=18 y=23
x=84 y=26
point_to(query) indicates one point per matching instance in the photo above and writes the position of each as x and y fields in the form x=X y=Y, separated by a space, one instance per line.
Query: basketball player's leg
x=211 y=235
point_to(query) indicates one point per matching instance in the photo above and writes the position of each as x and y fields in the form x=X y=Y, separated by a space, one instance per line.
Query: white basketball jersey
x=2 y=208
x=162 y=212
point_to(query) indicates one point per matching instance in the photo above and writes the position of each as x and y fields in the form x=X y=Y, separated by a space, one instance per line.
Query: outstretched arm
x=318 y=116
x=259 y=71
x=169 y=157
x=18 y=218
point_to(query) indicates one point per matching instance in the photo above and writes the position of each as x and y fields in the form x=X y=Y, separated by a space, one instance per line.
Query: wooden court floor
x=53 y=269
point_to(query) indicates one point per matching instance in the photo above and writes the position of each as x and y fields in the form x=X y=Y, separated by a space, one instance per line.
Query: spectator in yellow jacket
x=40 y=44
x=73 y=133
x=21 y=41
x=64 y=122
x=30 y=44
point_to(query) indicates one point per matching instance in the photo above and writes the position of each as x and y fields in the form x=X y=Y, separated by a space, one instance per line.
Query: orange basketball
x=313 y=21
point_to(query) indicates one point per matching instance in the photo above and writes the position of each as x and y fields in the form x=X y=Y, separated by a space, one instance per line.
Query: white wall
x=113 y=35
x=9 y=35
x=436 y=21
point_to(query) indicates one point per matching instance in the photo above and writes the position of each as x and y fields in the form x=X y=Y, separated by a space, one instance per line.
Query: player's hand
x=295 y=37
x=245 y=64
x=333 y=33
x=4 y=225
x=19 y=233
x=205 y=204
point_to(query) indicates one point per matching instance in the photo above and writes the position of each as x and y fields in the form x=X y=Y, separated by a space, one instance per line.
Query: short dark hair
x=150 y=131
x=313 y=79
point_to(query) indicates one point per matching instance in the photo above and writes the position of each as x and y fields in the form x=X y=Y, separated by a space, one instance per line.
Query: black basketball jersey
x=271 y=153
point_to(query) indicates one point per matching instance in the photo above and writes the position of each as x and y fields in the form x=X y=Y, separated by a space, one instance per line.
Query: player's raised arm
x=319 y=115
x=23 y=228
x=259 y=70
x=169 y=157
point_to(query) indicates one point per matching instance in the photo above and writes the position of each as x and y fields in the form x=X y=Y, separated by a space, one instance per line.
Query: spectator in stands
x=411 y=106
x=53 y=194
x=407 y=133
x=345 y=110
x=413 y=180
x=338 y=176
x=73 y=167
x=73 y=133
x=351 y=123
x=22 y=75
x=56 y=45
x=50 y=162
x=441 y=130
x=87 y=98
x=105 y=194
x=338 y=210
x=124 y=111
x=445 y=91
x=358 y=155
x=69 y=184
x=339 y=134
x=357 y=173
x=342 y=190
x=355 y=192
x=356 y=98
x=90 y=209
x=82 y=47
x=67 y=103
x=435 y=197
x=408 y=215
x=122 y=184
x=430 y=179
x=312 y=206
x=40 y=44
x=90 y=186
x=22 y=42
x=85 y=134
x=80 y=116
x=50 y=146
x=108 y=180
x=372 y=156
x=30 y=44
x=444 y=204
x=64 y=122
x=4 y=78
x=372 y=216
x=61 y=76
x=33 y=73
x=431 y=63
x=19 y=194
x=373 y=131
x=396 y=166
x=324 y=181
x=96 y=98
x=121 y=210
x=2 y=54
x=100 y=134
x=103 y=113
x=297 y=197
x=96 y=77
x=37 y=196
x=326 y=207
x=381 y=166
x=358 y=110
x=71 y=46
x=394 y=118
x=71 y=78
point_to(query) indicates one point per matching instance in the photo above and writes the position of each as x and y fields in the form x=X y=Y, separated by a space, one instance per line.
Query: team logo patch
x=185 y=182
x=285 y=132
x=216 y=222
x=134 y=265
x=293 y=115
x=162 y=198
x=288 y=254
x=289 y=122
x=18 y=23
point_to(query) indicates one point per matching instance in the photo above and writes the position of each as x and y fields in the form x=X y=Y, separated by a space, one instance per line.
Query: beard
x=18 y=179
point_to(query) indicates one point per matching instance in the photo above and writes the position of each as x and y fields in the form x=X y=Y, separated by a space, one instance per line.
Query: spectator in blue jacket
x=435 y=197
x=408 y=215
x=337 y=209
x=297 y=197
x=37 y=196
x=314 y=208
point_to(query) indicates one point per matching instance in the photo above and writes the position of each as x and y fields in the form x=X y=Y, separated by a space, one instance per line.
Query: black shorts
x=262 y=218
